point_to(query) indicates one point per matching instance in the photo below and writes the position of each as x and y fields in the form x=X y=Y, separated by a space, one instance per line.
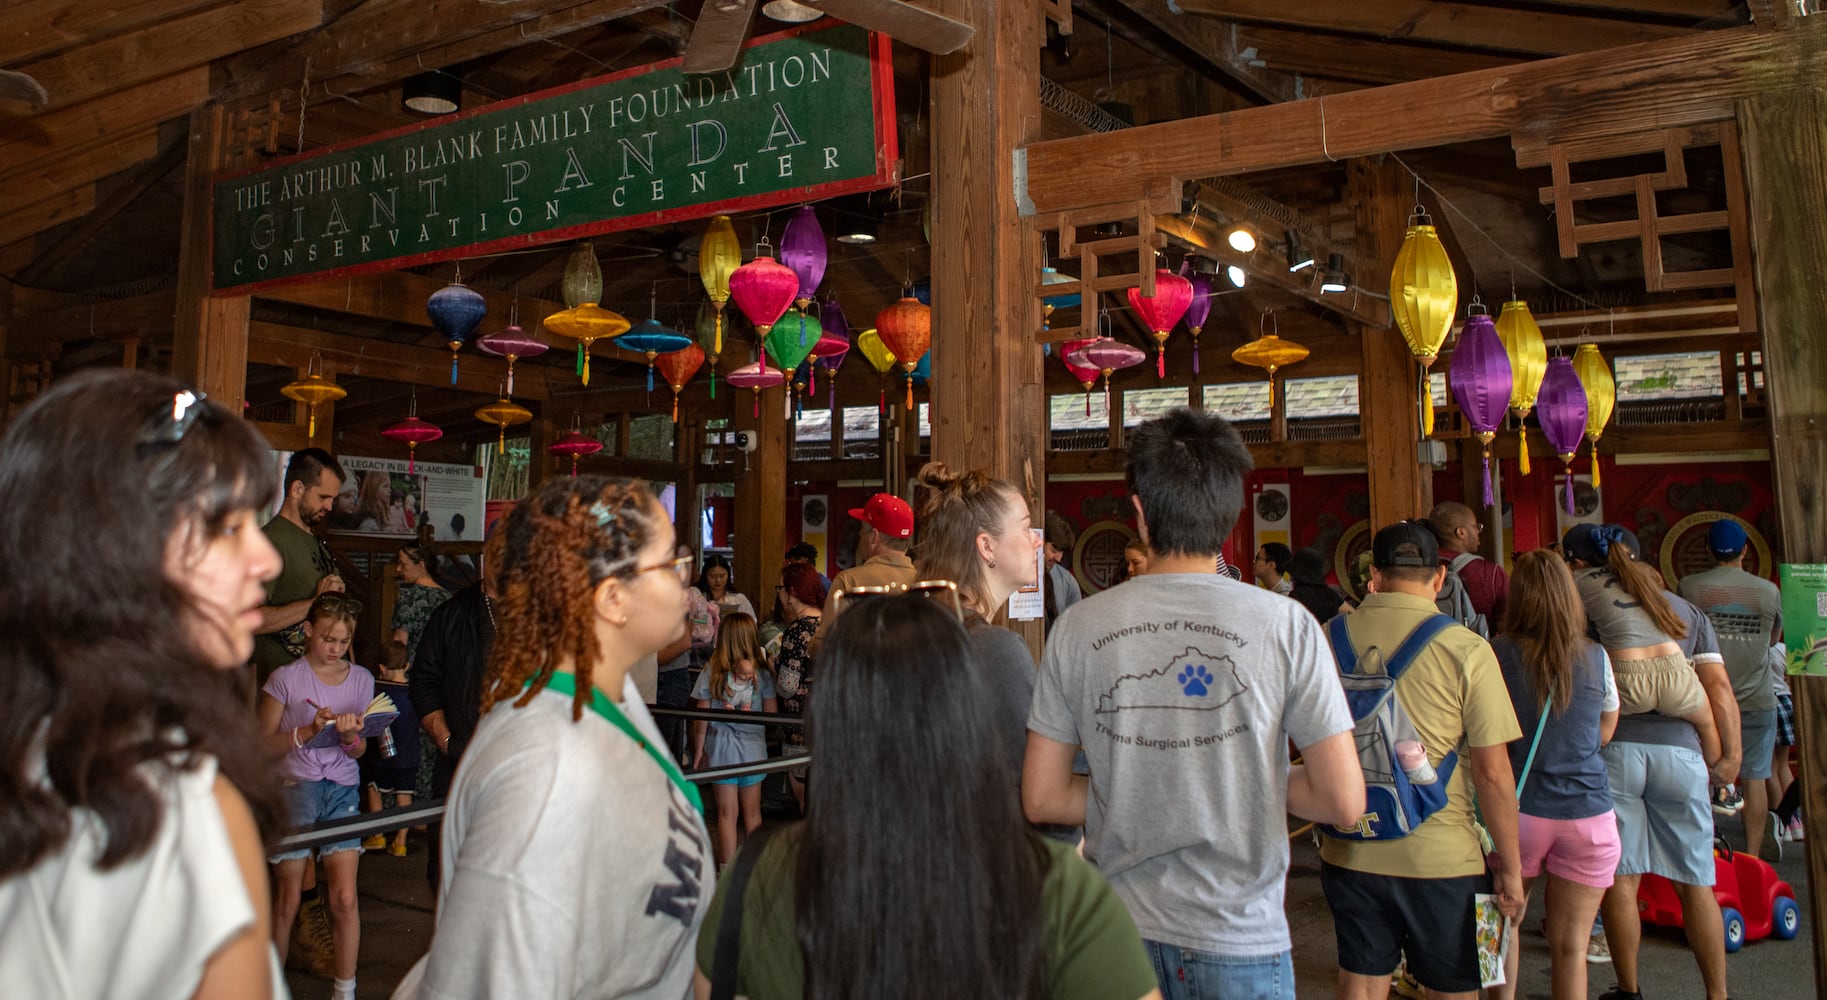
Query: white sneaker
x=1598 y=950
x=1794 y=831
x=1774 y=834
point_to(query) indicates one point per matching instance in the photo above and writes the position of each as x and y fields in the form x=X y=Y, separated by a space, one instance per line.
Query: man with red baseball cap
x=881 y=552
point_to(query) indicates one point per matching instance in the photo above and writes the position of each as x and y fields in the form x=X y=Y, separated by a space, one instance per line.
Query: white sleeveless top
x=142 y=930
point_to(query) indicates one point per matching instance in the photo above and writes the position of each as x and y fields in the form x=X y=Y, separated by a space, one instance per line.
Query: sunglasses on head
x=928 y=588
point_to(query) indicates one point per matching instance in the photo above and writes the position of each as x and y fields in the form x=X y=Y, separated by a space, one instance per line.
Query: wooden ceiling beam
x=37 y=218
x=1215 y=42
x=53 y=178
x=1674 y=83
x=1364 y=60
x=36 y=28
x=110 y=208
x=25 y=142
x=1473 y=26
x=168 y=46
x=50 y=318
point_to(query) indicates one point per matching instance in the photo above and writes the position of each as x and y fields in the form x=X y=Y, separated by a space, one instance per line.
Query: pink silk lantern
x=1173 y=294
x=512 y=343
x=1086 y=374
x=1480 y=380
x=802 y=248
x=1107 y=356
x=413 y=432
x=576 y=444
x=761 y=375
x=1560 y=407
x=763 y=289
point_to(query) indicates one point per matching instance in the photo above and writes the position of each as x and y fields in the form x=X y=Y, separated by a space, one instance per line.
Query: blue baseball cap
x=1726 y=538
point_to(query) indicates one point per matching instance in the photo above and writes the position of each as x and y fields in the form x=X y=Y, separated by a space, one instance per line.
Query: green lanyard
x=567 y=684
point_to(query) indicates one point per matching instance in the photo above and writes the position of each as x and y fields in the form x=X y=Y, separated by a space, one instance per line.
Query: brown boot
x=313 y=949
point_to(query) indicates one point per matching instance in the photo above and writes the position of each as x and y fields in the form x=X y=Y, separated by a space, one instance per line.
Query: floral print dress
x=793 y=673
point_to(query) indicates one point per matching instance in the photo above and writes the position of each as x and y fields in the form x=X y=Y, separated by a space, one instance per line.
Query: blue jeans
x=1186 y=974
x=311 y=802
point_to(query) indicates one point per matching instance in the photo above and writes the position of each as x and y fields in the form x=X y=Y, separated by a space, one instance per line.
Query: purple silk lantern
x=512 y=343
x=802 y=248
x=1108 y=356
x=1198 y=311
x=1480 y=380
x=1560 y=407
x=833 y=346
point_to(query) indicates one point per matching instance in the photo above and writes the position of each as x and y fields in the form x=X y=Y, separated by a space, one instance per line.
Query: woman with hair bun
x=575 y=857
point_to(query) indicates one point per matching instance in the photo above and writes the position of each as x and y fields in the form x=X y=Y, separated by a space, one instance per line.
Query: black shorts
x=1378 y=918
x=392 y=779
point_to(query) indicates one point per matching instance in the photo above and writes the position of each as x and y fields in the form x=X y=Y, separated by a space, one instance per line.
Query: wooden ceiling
x=91 y=179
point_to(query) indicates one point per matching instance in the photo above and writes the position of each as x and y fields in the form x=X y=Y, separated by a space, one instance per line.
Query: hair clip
x=604 y=516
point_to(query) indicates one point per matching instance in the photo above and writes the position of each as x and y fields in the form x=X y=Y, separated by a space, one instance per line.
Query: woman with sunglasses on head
x=799 y=599
x=575 y=857
x=914 y=874
x=132 y=800
x=974 y=530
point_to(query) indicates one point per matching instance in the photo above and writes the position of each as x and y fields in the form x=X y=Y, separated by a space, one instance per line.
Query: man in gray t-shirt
x=1184 y=688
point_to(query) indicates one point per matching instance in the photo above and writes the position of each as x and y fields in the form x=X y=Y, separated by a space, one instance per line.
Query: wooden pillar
x=209 y=333
x=542 y=464
x=687 y=449
x=989 y=404
x=1400 y=487
x=761 y=498
x=1785 y=151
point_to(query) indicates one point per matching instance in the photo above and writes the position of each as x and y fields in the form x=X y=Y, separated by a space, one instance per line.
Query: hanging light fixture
x=1481 y=382
x=433 y=92
x=585 y=322
x=1528 y=354
x=1198 y=309
x=1235 y=275
x=790 y=12
x=881 y=359
x=312 y=390
x=857 y=222
x=802 y=249
x=575 y=444
x=763 y=289
x=455 y=311
x=679 y=367
x=1269 y=352
x=503 y=413
x=1241 y=239
x=1086 y=374
x=756 y=377
x=1601 y=396
x=1107 y=356
x=412 y=432
x=719 y=255
x=1299 y=257
x=1172 y=295
x=1424 y=296
x=1560 y=408
x=906 y=328
x=512 y=343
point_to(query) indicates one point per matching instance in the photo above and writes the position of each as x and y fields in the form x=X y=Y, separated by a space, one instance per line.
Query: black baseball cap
x=1405 y=543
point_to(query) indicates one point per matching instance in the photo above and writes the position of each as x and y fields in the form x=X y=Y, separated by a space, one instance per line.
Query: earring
x=623 y=623
x=992 y=564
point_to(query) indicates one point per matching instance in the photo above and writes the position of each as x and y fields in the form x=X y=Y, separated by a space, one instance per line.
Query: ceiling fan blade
x=902 y=21
x=716 y=41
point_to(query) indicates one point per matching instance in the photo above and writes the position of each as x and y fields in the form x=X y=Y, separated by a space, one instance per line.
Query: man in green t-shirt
x=312 y=480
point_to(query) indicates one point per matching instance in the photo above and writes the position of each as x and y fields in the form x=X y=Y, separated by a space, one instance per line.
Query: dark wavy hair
x=914 y=881
x=100 y=673
x=545 y=560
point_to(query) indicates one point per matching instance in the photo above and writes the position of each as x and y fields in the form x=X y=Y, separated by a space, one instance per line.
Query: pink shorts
x=1578 y=850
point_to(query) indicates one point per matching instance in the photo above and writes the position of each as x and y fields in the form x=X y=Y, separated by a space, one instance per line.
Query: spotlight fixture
x=790 y=12
x=1334 y=279
x=436 y=92
x=857 y=222
x=1241 y=239
x=1236 y=275
x=1299 y=257
x=1204 y=265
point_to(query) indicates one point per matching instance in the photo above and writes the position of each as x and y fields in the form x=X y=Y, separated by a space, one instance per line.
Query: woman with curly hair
x=575 y=857
x=133 y=799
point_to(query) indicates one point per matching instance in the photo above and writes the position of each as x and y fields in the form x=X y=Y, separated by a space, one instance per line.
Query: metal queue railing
x=386 y=821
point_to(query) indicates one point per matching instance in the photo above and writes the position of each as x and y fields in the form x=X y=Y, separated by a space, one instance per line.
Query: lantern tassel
x=717 y=345
x=310 y=421
x=1522 y=451
x=412 y=455
x=812 y=380
x=1489 y=499
x=1427 y=409
x=1161 y=361
x=802 y=328
x=757 y=404
x=1271 y=391
x=1569 y=489
x=713 y=380
x=510 y=385
x=586 y=353
x=1595 y=465
x=501 y=441
x=1195 y=354
x=910 y=390
x=580 y=359
x=675 y=406
x=650 y=380
x=453 y=368
x=1087 y=402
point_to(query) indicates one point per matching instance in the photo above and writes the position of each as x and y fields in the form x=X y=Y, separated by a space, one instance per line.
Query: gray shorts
x=1759 y=729
x=1665 y=824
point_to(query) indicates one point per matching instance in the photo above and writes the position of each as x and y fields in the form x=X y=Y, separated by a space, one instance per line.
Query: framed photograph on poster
x=1588 y=505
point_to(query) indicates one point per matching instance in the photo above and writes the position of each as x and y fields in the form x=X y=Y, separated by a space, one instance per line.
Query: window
x=862 y=432
x=1142 y=405
x=926 y=426
x=651 y=436
x=812 y=425
x=1078 y=411
x=1648 y=378
x=1238 y=401
x=1327 y=396
x=1436 y=388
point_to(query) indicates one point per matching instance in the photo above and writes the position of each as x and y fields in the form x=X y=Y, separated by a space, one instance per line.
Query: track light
x=1241 y=239
x=438 y=92
x=790 y=12
x=857 y=221
x=1236 y=275
x=1299 y=257
x=1334 y=279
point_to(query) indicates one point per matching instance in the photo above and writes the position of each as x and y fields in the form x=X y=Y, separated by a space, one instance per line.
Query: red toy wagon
x=1753 y=902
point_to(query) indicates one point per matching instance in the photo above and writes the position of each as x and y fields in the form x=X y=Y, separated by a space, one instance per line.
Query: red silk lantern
x=679 y=367
x=413 y=432
x=906 y=328
x=1172 y=296
x=576 y=444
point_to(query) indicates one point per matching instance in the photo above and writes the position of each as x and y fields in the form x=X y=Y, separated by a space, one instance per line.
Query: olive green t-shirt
x=1093 y=950
x=303 y=562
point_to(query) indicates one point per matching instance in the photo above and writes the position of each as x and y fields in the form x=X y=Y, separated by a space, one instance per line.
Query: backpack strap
x=1461 y=561
x=1398 y=661
x=729 y=926
x=1346 y=656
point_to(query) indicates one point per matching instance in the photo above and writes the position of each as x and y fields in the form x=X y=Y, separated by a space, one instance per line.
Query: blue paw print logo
x=1196 y=681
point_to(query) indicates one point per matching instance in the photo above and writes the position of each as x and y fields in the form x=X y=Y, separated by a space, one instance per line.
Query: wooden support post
x=761 y=498
x=542 y=464
x=1785 y=151
x=1399 y=486
x=687 y=448
x=988 y=401
x=210 y=334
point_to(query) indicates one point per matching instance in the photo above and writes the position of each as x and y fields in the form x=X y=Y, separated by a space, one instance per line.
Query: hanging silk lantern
x=708 y=327
x=1528 y=354
x=1086 y=374
x=786 y=346
x=1424 y=297
x=412 y=432
x=906 y=329
x=756 y=377
x=455 y=311
x=652 y=338
x=503 y=413
x=679 y=367
x=586 y=324
x=833 y=345
x=583 y=279
x=1198 y=310
x=1560 y=407
x=1107 y=356
x=1051 y=276
x=1173 y=294
x=1480 y=380
x=575 y=444
x=512 y=343
x=1269 y=352
x=763 y=289
x=802 y=249
x=312 y=390
x=881 y=359
x=719 y=255
x=1601 y=396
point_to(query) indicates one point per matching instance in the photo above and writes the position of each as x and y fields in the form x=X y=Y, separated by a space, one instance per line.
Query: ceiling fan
x=723 y=26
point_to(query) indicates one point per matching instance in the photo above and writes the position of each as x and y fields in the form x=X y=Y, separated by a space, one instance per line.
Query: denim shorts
x=1665 y=824
x=1185 y=974
x=742 y=782
x=1758 y=727
x=308 y=802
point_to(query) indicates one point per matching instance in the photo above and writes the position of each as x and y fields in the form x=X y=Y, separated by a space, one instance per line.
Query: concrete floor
x=397 y=922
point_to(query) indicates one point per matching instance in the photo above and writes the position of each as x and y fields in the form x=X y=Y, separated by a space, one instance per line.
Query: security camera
x=746 y=440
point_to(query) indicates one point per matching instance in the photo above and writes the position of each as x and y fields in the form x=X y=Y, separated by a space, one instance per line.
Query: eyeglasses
x=334 y=602
x=928 y=588
x=681 y=568
x=186 y=407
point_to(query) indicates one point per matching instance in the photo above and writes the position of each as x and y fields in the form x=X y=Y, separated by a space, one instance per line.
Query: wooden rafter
x=36 y=28
x=70 y=131
x=1365 y=60
x=104 y=213
x=1216 y=44
x=1473 y=26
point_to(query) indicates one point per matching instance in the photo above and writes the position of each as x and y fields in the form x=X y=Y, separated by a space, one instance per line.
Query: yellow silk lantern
x=312 y=390
x=719 y=255
x=1424 y=297
x=503 y=413
x=586 y=324
x=1601 y=396
x=881 y=359
x=1270 y=352
x=1522 y=341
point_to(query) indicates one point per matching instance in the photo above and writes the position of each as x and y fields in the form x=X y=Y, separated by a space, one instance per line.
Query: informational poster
x=1588 y=505
x=815 y=524
x=1030 y=603
x=1272 y=508
x=381 y=498
x=1804 y=587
